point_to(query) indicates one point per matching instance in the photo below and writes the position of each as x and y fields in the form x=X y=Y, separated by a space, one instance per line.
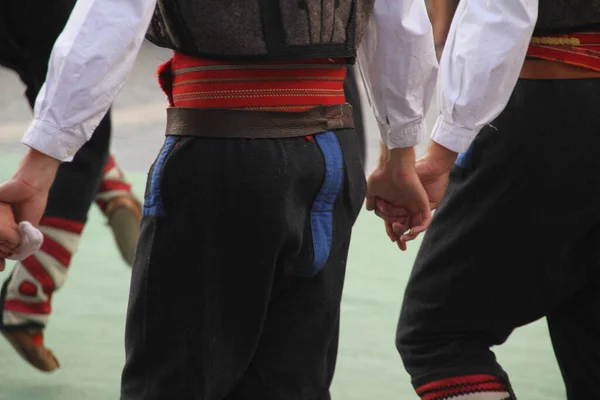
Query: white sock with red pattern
x=34 y=280
x=113 y=184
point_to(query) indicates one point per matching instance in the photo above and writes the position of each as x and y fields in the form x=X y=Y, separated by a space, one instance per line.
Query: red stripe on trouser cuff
x=27 y=307
x=460 y=385
x=443 y=394
x=64 y=224
x=39 y=273
x=57 y=251
x=456 y=381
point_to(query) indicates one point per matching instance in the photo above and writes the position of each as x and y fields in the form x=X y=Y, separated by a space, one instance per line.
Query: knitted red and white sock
x=113 y=184
x=35 y=279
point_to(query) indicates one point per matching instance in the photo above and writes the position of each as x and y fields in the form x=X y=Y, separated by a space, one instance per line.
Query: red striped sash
x=578 y=49
x=274 y=86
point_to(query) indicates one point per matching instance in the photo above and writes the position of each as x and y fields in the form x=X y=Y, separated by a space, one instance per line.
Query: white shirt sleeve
x=480 y=65
x=397 y=60
x=88 y=66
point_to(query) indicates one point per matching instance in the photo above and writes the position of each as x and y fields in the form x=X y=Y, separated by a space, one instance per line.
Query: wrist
x=383 y=154
x=401 y=161
x=440 y=158
x=38 y=170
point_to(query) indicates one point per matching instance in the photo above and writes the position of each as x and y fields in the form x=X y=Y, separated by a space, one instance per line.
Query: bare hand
x=397 y=185
x=9 y=233
x=434 y=182
x=433 y=170
x=27 y=191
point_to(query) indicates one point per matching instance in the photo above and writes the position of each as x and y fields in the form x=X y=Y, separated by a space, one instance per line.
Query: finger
x=4 y=255
x=391 y=210
x=418 y=225
x=415 y=228
x=401 y=245
x=9 y=236
x=381 y=215
x=400 y=227
x=388 y=230
x=396 y=220
x=31 y=211
x=427 y=217
x=11 y=192
x=370 y=203
x=5 y=249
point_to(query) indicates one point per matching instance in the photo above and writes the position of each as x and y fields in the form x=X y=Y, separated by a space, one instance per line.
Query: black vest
x=260 y=30
x=567 y=16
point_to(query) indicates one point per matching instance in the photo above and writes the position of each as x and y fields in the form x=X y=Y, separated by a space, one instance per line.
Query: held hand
x=9 y=233
x=27 y=193
x=395 y=183
x=434 y=182
x=433 y=170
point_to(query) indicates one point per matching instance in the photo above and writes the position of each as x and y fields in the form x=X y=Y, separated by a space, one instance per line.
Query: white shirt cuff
x=49 y=140
x=452 y=136
x=408 y=136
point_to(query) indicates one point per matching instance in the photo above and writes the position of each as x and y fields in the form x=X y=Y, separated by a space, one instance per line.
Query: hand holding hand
x=396 y=184
x=25 y=195
x=9 y=233
x=433 y=170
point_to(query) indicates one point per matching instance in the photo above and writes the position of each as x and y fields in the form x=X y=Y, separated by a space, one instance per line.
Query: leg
x=120 y=207
x=494 y=257
x=294 y=359
x=575 y=329
x=198 y=310
x=27 y=294
x=34 y=41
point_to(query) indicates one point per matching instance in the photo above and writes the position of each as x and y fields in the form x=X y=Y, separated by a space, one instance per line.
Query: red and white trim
x=469 y=387
x=113 y=184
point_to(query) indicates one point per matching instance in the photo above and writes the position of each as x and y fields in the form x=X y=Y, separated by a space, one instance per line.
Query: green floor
x=86 y=329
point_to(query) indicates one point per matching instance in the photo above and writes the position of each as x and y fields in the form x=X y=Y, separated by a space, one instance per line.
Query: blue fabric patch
x=464 y=160
x=153 y=205
x=321 y=216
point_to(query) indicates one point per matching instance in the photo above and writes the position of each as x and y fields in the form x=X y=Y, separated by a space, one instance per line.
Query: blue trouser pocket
x=153 y=205
x=321 y=216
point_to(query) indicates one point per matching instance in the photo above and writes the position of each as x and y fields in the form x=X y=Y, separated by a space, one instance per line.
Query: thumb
x=12 y=192
x=371 y=203
x=27 y=203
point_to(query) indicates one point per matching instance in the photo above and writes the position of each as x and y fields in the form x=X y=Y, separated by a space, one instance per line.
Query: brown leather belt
x=546 y=69
x=225 y=123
